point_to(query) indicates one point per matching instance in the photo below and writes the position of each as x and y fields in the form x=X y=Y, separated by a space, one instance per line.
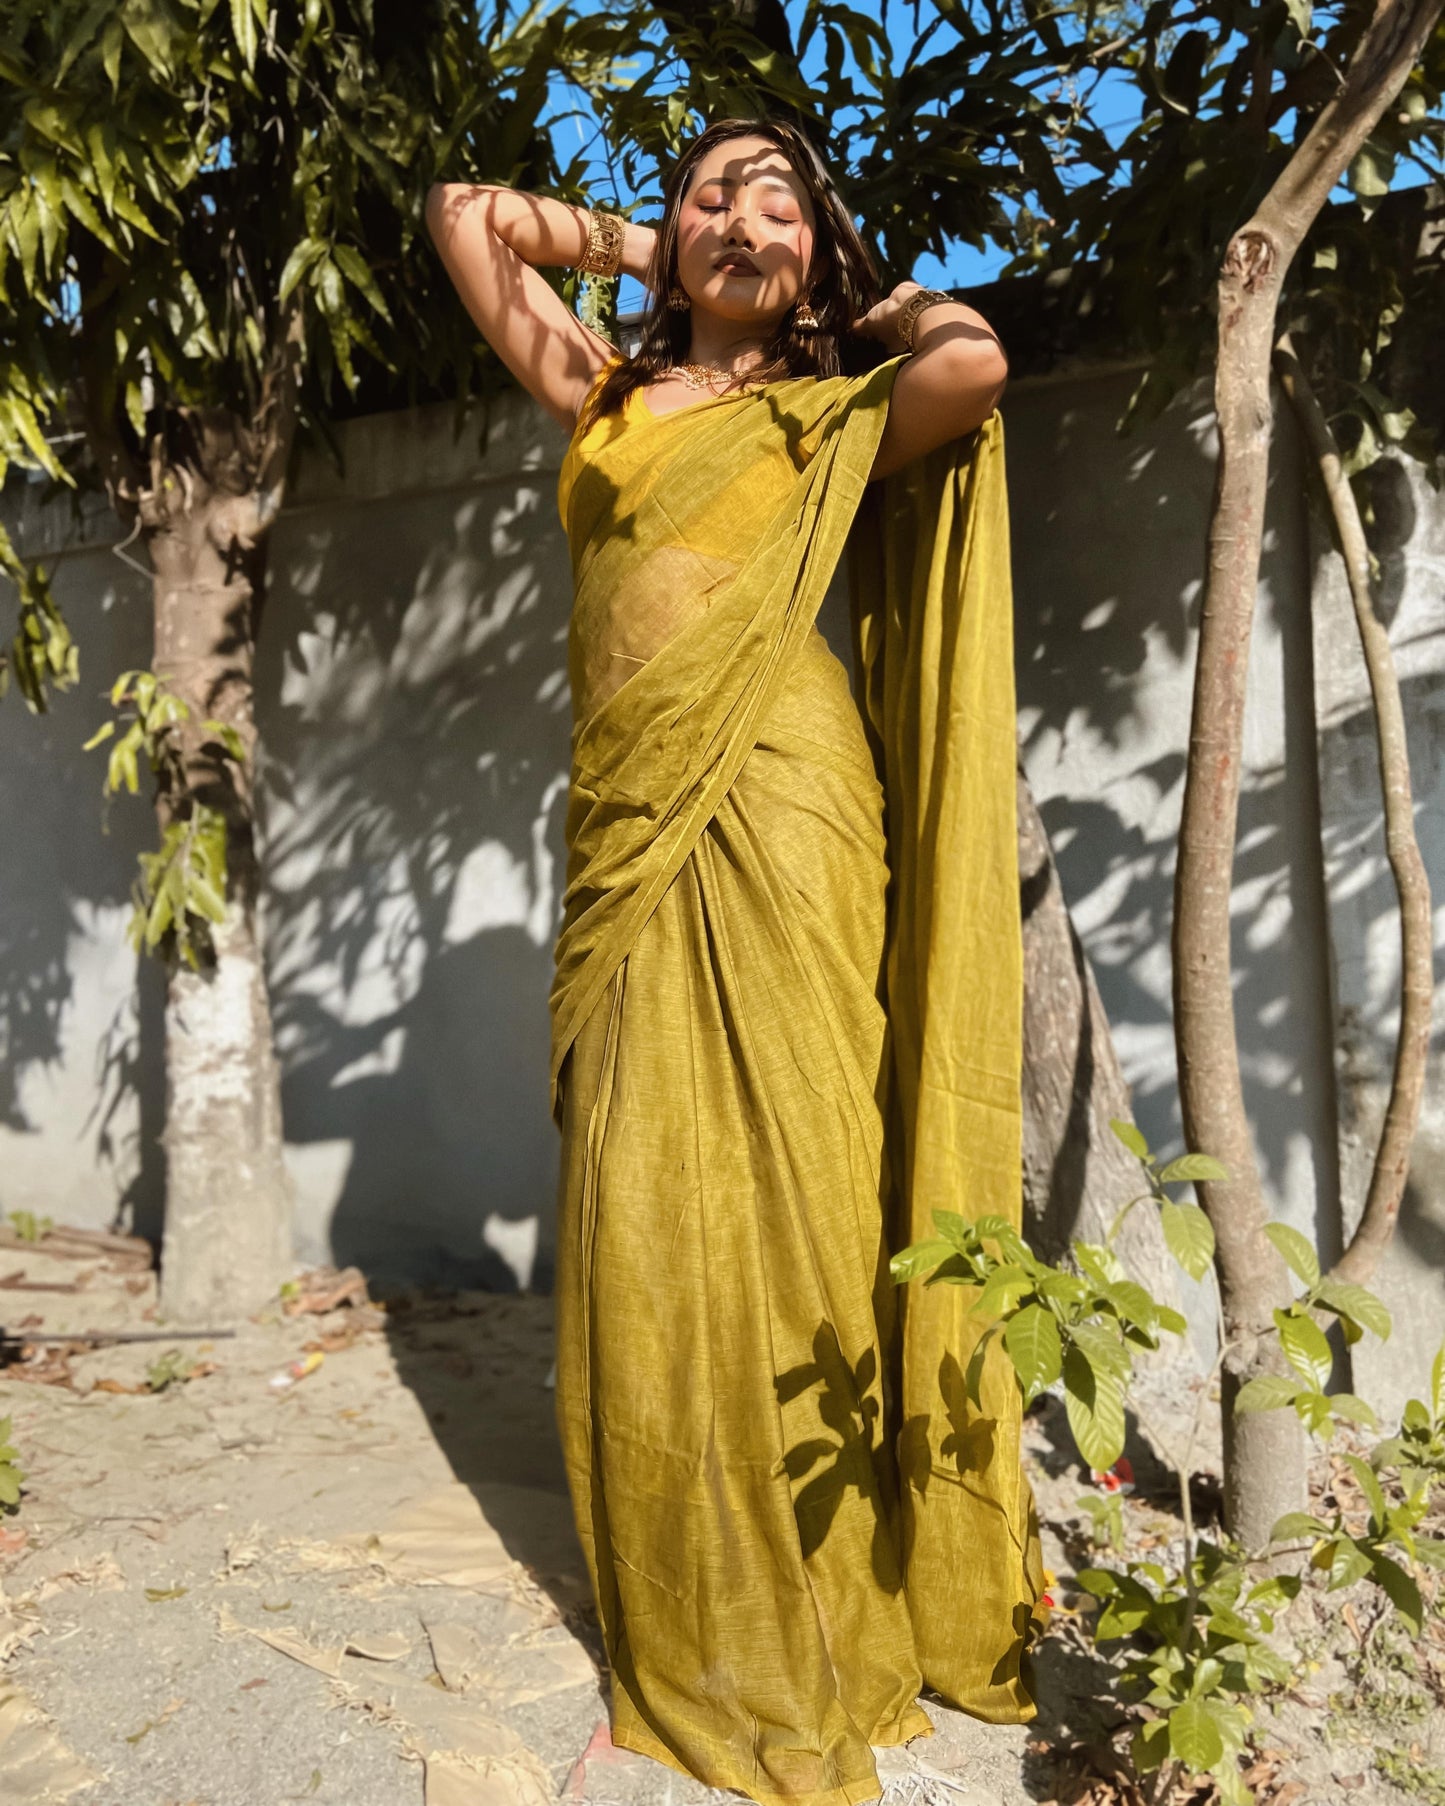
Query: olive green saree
x=782 y=1036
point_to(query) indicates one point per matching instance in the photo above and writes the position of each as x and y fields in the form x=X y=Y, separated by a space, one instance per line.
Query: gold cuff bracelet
x=603 y=256
x=913 y=307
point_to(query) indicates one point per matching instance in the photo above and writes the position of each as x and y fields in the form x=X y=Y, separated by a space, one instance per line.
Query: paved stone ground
x=363 y=1586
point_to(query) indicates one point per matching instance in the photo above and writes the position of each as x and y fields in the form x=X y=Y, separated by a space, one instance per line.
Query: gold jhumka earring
x=804 y=319
x=677 y=299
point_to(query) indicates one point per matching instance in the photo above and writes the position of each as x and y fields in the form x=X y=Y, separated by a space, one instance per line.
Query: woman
x=768 y=1067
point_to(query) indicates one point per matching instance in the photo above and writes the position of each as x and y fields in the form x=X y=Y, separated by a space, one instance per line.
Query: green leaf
x=1002 y=1290
x=1188 y=1235
x=103 y=732
x=298 y=263
x=1095 y=1406
x=1401 y=1589
x=1150 y=1744
x=1011 y=1245
x=1266 y=1392
x=1368 y=1484
x=1131 y=1301
x=243 y=29
x=1191 y=1167
x=1345 y=1560
x=1299 y=1256
x=1101 y=1583
x=1305 y=1348
x=1131 y=1137
x=1370 y=174
x=1353 y=1410
x=1032 y=1339
x=1346 y=1299
x=1104 y=1348
x=1295 y=1524
x=354 y=268
x=918 y=1258
x=1195 y=1736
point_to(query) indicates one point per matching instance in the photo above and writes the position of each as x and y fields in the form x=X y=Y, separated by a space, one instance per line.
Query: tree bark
x=1263 y=1451
x=1412 y=884
x=1077 y=1173
x=227 y=1243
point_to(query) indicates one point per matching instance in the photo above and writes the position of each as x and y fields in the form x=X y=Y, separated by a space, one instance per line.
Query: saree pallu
x=786 y=1027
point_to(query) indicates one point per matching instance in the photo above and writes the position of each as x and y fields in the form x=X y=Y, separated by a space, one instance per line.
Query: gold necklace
x=703 y=376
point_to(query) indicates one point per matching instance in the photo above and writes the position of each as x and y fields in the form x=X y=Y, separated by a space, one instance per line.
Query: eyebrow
x=765 y=180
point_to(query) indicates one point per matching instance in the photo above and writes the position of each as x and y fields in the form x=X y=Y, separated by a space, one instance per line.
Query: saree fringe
x=786 y=1028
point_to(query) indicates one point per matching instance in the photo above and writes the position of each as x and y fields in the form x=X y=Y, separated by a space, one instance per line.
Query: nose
x=739 y=232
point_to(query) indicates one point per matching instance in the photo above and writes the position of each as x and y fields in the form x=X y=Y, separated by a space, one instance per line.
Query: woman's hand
x=881 y=322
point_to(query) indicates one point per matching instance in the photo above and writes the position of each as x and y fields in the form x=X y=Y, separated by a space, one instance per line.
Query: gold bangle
x=913 y=307
x=603 y=256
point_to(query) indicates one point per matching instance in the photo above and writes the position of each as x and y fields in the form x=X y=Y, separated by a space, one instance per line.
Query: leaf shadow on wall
x=1109 y=548
x=417 y=738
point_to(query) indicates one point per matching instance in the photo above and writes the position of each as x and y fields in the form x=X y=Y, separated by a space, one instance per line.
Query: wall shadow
x=415 y=719
x=1109 y=547
x=81 y=1080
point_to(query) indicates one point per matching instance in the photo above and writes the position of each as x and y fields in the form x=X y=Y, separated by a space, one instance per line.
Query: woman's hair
x=841 y=284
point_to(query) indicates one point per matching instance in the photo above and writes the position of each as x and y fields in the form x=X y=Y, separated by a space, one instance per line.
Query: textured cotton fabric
x=769 y=1067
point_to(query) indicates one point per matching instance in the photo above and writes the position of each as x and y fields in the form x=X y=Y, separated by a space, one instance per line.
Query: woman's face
x=745 y=233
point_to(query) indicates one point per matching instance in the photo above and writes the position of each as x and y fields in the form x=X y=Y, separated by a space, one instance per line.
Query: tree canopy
x=201 y=203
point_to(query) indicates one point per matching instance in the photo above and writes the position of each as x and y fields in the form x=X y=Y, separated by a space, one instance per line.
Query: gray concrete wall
x=414 y=714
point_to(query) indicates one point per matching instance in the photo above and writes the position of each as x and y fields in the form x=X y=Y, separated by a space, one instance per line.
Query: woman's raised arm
x=948 y=387
x=492 y=241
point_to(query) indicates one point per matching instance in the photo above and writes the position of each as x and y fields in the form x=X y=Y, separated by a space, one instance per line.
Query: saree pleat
x=729 y=1390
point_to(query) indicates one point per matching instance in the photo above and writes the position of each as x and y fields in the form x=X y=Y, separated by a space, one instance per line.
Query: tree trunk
x=227 y=1244
x=1077 y=1173
x=1264 y=1451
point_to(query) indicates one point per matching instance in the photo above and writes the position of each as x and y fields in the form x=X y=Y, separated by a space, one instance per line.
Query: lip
x=737 y=263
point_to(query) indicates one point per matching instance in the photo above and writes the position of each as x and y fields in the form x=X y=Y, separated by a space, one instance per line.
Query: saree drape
x=786 y=1027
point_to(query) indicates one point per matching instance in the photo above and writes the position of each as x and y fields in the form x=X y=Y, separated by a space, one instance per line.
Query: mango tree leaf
x=1095 y=1406
x=1266 y=1392
x=1401 y=1589
x=1002 y=1290
x=1353 y=1301
x=1344 y=1560
x=1188 y=1235
x=1131 y=1137
x=1195 y=1736
x=1369 y=1485
x=918 y=1258
x=1190 y=1167
x=1299 y=1256
x=1032 y=1339
x=1305 y=1348
x=1295 y=1524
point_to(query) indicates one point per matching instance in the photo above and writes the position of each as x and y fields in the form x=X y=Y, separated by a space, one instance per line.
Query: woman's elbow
x=976 y=377
x=445 y=201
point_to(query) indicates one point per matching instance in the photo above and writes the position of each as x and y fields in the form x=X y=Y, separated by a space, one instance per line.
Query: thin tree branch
x=1412 y=884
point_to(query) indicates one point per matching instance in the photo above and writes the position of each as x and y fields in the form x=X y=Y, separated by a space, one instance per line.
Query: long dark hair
x=841 y=284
